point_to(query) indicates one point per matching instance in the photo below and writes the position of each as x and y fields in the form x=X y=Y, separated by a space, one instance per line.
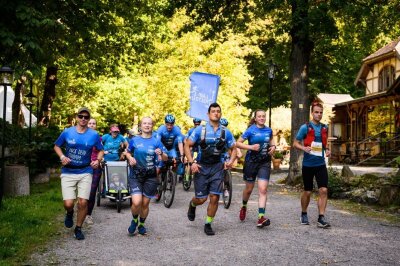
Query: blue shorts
x=144 y=185
x=252 y=170
x=209 y=180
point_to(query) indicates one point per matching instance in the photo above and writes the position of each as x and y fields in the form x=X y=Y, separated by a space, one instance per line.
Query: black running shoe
x=78 y=234
x=191 y=212
x=208 y=230
x=68 y=221
x=322 y=223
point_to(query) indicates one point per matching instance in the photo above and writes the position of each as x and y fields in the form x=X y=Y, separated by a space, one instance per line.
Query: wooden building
x=365 y=130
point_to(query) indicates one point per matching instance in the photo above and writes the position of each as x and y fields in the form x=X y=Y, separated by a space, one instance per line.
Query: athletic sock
x=303 y=213
x=320 y=216
x=244 y=203
x=141 y=221
x=261 y=212
x=209 y=219
x=135 y=217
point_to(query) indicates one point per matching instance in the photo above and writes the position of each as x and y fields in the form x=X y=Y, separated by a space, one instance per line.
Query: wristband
x=190 y=163
x=62 y=157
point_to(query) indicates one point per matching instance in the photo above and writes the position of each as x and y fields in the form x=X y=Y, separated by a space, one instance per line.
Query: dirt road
x=174 y=240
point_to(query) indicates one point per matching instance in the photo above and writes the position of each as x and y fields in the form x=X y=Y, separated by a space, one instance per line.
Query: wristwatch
x=190 y=163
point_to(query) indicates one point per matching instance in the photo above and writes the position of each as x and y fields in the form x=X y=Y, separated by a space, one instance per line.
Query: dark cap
x=83 y=109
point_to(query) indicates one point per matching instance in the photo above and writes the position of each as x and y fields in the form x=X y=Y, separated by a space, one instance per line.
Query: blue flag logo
x=203 y=92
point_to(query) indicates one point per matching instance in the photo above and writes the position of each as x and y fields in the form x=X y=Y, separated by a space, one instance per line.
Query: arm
x=64 y=159
x=232 y=158
x=241 y=145
x=297 y=144
x=193 y=165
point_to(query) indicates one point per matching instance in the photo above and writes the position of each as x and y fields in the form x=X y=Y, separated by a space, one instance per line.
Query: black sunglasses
x=84 y=117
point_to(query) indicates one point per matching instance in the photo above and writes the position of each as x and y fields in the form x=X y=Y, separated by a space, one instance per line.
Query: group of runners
x=81 y=149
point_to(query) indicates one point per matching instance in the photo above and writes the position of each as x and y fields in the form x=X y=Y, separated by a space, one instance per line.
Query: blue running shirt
x=143 y=150
x=78 y=148
x=112 y=145
x=256 y=135
x=211 y=138
x=168 y=137
x=310 y=160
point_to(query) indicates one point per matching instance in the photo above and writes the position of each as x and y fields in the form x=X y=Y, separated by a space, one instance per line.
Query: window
x=386 y=77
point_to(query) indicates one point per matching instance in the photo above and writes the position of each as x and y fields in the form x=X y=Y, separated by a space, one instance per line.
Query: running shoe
x=142 y=230
x=304 y=219
x=242 y=214
x=89 y=220
x=263 y=222
x=191 y=212
x=132 y=228
x=322 y=223
x=78 y=234
x=68 y=221
x=208 y=230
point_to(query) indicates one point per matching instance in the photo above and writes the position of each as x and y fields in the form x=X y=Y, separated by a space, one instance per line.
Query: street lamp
x=271 y=76
x=6 y=79
x=29 y=103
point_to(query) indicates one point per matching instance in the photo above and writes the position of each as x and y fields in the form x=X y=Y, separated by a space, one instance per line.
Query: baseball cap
x=114 y=128
x=83 y=109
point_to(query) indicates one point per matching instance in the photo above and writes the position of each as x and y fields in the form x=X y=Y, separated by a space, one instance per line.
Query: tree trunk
x=17 y=116
x=299 y=69
x=48 y=96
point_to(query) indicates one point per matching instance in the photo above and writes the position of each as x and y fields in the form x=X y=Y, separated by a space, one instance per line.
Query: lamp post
x=6 y=79
x=29 y=103
x=271 y=76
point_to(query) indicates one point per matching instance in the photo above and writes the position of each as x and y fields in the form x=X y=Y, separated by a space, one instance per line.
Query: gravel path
x=174 y=240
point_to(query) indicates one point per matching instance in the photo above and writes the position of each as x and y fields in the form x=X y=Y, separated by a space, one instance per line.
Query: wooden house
x=365 y=130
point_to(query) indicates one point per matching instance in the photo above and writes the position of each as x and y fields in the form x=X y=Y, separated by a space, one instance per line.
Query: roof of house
x=393 y=48
x=332 y=98
x=389 y=48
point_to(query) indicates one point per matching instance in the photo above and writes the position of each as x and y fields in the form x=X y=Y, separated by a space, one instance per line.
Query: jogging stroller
x=116 y=187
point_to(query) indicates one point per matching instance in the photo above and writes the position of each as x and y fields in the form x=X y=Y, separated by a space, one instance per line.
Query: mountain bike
x=166 y=189
x=227 y=188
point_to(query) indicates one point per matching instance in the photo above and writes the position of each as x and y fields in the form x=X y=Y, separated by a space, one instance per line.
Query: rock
x=16 y=180
x=347 y=173
x=389 y=194
x=41 y=178
x=371 y=197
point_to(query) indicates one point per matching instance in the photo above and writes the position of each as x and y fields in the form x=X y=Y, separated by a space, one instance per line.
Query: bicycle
x=166 y=189
x=227 y=188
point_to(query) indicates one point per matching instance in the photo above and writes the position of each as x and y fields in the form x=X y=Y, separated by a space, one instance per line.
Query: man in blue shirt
x=212 y=141
x=167 y=133
x=314 y=138
x=77 y=167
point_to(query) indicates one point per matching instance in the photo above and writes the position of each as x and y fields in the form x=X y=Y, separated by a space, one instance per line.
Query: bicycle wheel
x=227 y=189
x=169 y=191
x=119 y=201
x=160 y=188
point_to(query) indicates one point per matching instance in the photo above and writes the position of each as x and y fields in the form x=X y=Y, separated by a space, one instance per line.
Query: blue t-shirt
x=78 y=148
x=112 y=145
x=256 y=135
x=211 y=154
x=168 y=137
x=176 y=146
x=143 y=150
x=311 y=160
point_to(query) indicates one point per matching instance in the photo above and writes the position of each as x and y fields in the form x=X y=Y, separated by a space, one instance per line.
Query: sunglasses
x=114 y=131
x=84 y=117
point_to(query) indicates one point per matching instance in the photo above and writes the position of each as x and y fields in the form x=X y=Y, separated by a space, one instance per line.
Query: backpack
x=310 y=137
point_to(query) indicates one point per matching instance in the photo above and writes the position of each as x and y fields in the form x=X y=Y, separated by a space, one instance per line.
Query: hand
x=307 y=149
x=255 y=147
x=95 y=164
x=132 y=161
x=158 y=151
x=65 y=160
x=271 y=150
x=228 y=164
x=327 y=153
x=195 y=168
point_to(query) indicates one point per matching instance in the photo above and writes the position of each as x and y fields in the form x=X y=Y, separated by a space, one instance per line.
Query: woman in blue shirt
x=257 y=163
x=142 y=154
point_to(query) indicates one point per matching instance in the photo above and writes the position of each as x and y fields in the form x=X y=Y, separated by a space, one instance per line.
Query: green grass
x=27 y=223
